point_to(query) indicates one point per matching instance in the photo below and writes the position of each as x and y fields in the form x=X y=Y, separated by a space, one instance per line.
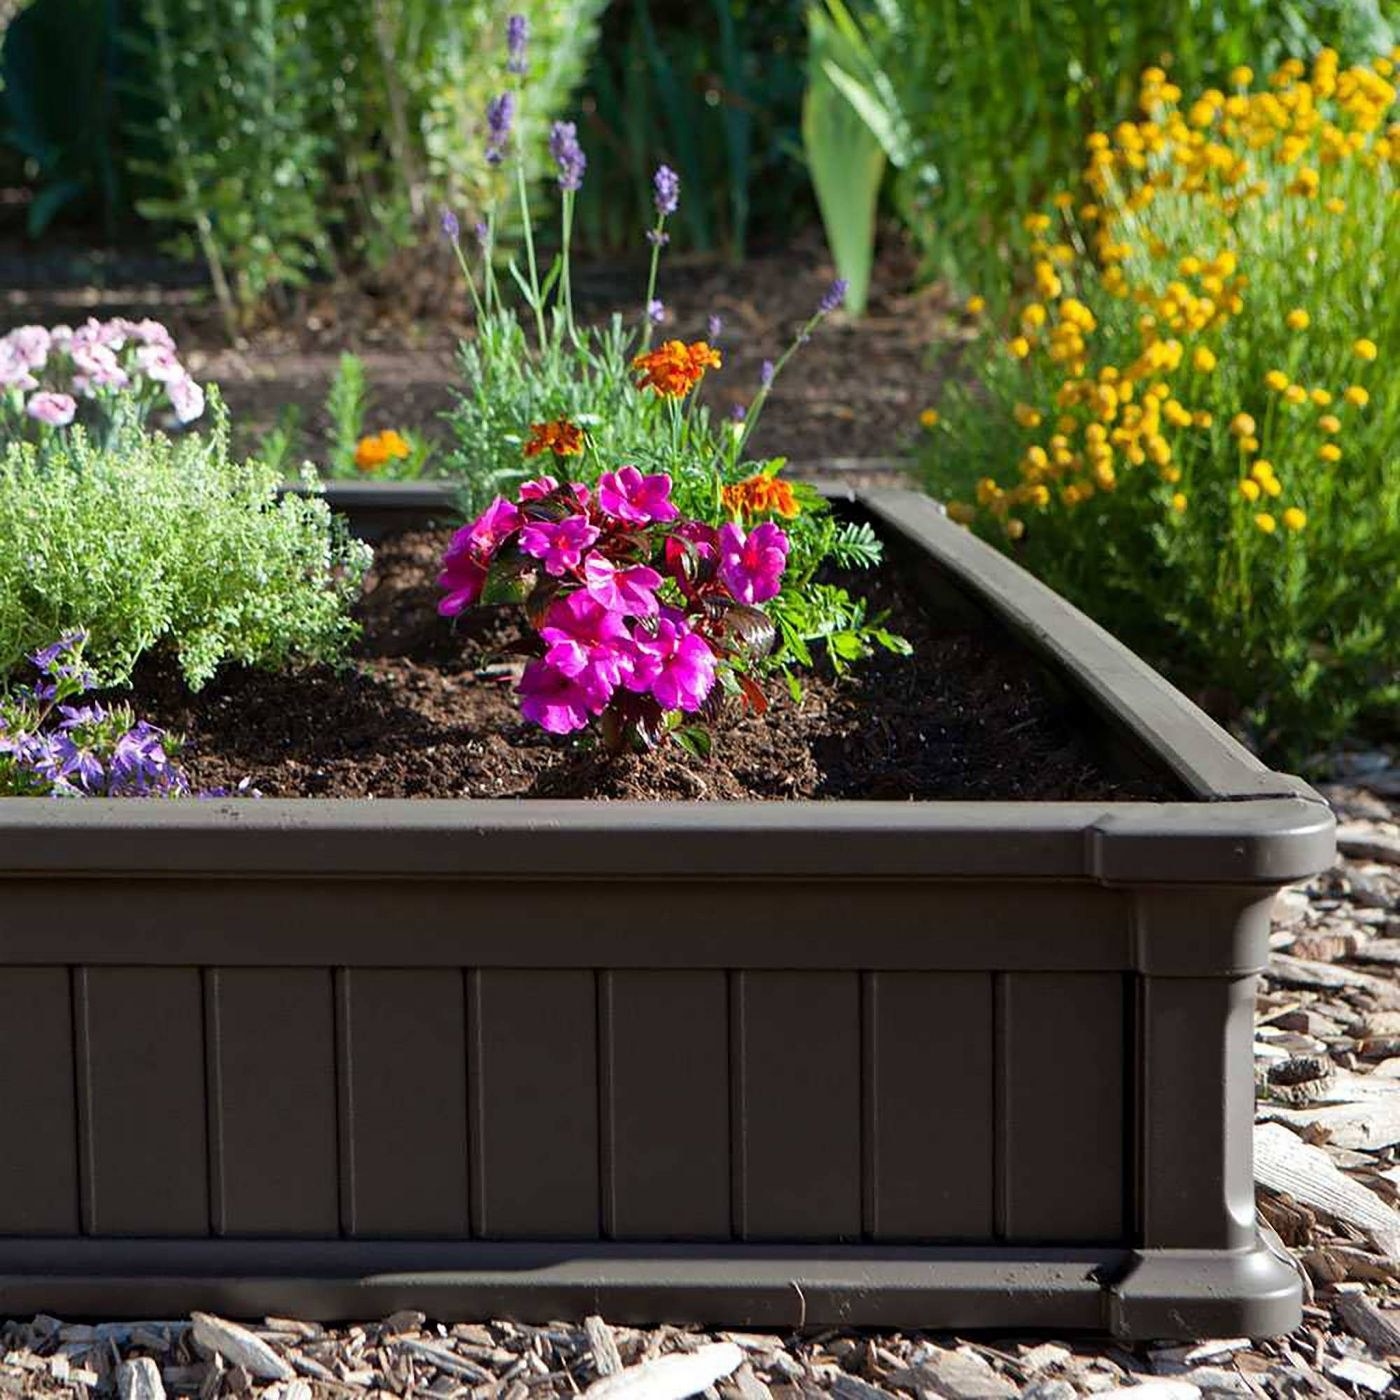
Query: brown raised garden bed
x=919 y=1063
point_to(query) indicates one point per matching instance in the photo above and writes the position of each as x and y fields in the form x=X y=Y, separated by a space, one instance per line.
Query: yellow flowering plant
x=1190 y=423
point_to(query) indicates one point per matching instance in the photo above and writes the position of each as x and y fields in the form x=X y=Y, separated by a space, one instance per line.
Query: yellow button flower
x=1027 y=416
x=1356 y=396
x=1276 y=380
x=1242 y=76
x=1242 y=425
x=1019 y=347
x=1294 y=519
x=1297 y=319
x=1330 y=452
x=1202 y=419
x=929 y=418
x=1203 y=359
x=1365 y=349
x=1249 y=489
x=961 y=512
x=1330 y=423
x=1179 y=503
x=975 y=305
x=1320 y=397
x=1295 y=394
x=1265 y=523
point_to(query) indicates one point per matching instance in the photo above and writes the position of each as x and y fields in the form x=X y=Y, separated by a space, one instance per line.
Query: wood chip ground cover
x=1336 y=1208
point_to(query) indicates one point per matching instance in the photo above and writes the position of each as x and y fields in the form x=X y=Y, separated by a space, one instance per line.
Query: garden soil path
x=1328 y=1067
x=854 y=391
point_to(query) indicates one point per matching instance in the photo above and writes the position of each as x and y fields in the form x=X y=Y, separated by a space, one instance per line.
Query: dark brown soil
x=427 y=710
x=855 y=390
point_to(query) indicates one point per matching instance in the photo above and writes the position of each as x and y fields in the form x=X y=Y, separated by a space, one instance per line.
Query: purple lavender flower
x=715 y=327
x=666 y=187
x=500 y=113
x=765 y=374
x=738 y=413
x=656 y=311
x=568 y=155
x=517 y=37
x=658 y=238
x=483 y=233
x=451 y=228
x=835 y=295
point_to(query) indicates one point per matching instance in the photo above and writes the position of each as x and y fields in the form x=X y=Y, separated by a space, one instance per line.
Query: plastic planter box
x=916 y=1064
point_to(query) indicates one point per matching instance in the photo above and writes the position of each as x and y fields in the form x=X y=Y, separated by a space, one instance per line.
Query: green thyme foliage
x=156 y=543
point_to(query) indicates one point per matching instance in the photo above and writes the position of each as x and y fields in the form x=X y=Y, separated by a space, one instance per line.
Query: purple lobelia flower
x=666 y=190
x=517 y=40
x=714 y=327
x=451 y=226
x=752 y=565
x=569 y=159
x=558 y=544
x=673 y=664
x=500 y=114
x=766 y=372
x=656 y=311
x=833 y=297
x=629 y=496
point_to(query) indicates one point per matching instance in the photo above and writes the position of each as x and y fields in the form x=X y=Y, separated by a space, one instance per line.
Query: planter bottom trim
x=1157 y=1294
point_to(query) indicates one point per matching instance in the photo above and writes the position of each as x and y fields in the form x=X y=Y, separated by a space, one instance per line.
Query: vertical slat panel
x=403 y=1086
x=1064 y=1112
x=797 y=1105
x=666 y=1105
x=144 y=1162
x=273 y=1101
x=534 y=1052
x=930 y=1105
x=38 y=1109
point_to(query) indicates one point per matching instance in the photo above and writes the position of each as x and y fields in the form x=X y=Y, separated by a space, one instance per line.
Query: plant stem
x=536 y=303
x=657 y=236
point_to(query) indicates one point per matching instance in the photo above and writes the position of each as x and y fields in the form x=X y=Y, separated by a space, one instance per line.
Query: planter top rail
x=1242 y=823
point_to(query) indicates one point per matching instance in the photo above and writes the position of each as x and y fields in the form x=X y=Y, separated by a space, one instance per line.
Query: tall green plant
x=242 y=165
x=713 y=89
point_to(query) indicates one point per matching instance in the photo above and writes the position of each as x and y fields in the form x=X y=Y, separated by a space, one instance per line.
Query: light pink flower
x=56 y=410
x=186 y=398
x=30 y=344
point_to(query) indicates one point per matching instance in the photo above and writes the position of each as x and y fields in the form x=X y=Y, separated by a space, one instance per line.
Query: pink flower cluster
x=51 y=369
x=632 y=604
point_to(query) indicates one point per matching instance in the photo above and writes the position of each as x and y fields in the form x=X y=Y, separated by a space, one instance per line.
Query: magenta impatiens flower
x=558 y=544
x=674 y=663
x=56 y=410
x=752 y=565
x=631 y=590
x=469 y=555
x=559 y=703
x=587 y=639
x=629 y=496
x=636 y=610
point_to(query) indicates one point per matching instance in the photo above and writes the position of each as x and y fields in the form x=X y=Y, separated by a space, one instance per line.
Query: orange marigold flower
x=558 y=436
x=761 y=495
x=675 y=368
x=371 y=453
